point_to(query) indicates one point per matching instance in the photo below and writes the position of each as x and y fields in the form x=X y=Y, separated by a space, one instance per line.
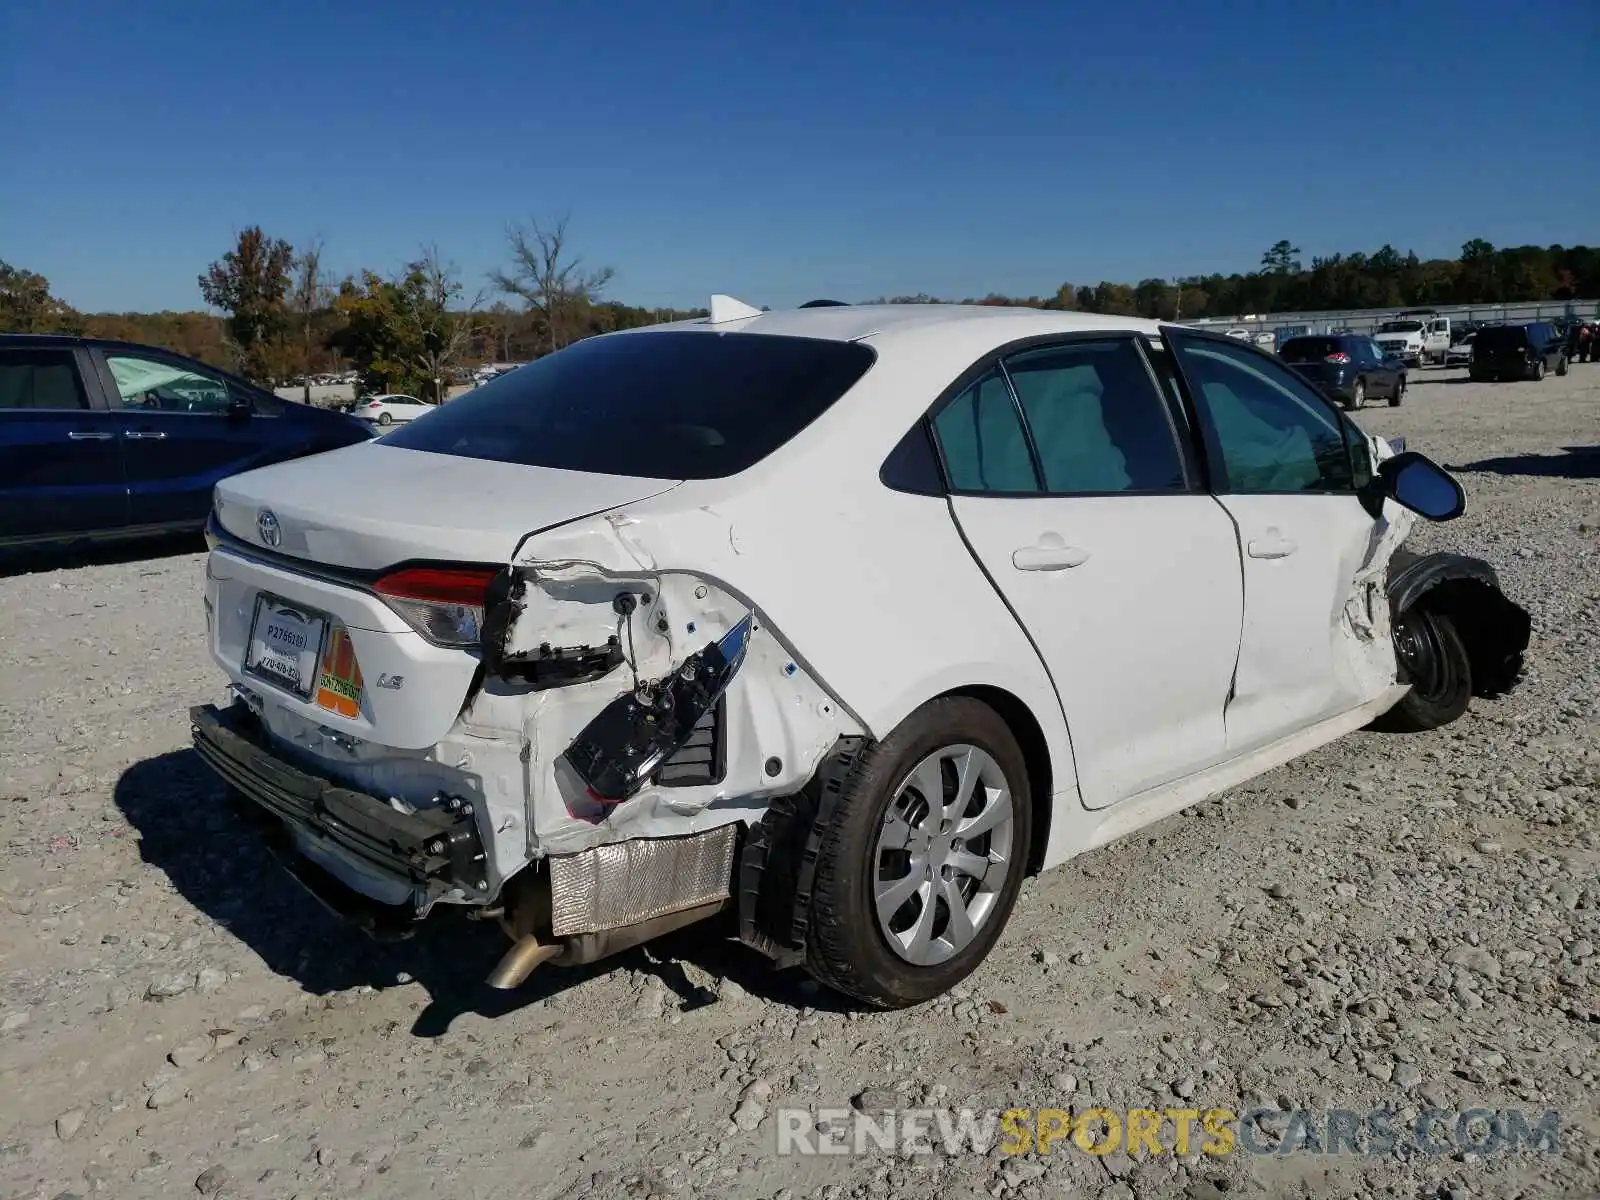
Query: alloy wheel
x=943 y=854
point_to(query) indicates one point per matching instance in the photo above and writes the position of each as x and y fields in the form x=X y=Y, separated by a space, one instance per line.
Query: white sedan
x=391 y=408
x=843 y=618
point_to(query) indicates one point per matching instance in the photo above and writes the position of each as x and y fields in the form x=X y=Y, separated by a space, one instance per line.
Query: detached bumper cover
x=434 y=851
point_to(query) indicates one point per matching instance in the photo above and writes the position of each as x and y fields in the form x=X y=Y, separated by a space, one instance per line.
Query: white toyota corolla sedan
x=839 y=621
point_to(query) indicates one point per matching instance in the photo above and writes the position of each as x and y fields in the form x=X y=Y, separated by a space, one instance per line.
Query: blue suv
x=111 y=440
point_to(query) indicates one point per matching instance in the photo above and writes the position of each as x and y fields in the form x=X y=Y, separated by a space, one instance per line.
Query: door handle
x=1051 y=554
x=89 y=435
x=136 y=434
x=1274 y=545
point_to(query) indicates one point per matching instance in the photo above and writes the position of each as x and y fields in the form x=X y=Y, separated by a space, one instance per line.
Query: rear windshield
x=670 y=405
x=1501 y=337
x=1310 y=349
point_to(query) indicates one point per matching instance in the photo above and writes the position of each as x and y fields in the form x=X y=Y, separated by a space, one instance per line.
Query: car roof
x=885 y=323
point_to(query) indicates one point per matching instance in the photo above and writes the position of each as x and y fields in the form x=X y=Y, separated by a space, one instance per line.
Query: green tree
x=1281 y=260
x=404 y=334
x=26 y=305
x=250 y=284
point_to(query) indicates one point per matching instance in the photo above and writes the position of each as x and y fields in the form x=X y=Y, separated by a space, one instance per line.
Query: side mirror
x=1416 y=482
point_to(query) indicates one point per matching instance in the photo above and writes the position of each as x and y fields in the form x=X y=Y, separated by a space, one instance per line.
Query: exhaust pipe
x=519 y=962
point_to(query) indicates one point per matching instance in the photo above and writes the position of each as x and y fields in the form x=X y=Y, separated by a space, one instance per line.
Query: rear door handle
x=89 y=435
x=143 y=433
x=1051 y=554
x=1274 y=545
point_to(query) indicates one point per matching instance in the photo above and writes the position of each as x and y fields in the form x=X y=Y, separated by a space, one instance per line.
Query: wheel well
x=1493 y=629
x=1035 y=754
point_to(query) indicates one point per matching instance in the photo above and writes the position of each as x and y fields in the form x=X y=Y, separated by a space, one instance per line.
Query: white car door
x=1075 y=485
x=1282 y=466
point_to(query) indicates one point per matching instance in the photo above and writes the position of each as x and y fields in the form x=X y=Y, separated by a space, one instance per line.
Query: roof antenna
x=726 y=308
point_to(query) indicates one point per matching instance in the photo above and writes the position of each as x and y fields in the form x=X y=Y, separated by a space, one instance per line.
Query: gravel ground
x=1396 y=922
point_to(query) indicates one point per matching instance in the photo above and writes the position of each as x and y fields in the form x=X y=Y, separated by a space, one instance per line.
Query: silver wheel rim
x=943 y=854
x=1360 y=396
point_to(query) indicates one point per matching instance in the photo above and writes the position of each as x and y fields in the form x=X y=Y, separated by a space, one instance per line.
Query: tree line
x=416 y=328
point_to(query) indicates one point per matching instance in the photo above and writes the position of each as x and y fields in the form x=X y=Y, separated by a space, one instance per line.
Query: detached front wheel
x=920 y=866
x=1433 y=659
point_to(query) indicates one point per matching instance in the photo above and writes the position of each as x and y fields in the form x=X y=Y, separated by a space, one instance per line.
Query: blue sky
x=783 y=151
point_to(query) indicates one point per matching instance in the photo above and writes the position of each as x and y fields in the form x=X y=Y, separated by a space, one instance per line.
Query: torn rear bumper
x=375 y=849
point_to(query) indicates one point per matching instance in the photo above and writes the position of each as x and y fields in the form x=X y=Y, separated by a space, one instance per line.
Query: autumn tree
x=408 y=333
x=26 y=305
x=250 y=284
x=547 y=277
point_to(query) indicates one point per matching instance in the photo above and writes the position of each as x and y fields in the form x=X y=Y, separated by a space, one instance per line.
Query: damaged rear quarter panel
x=866 y=603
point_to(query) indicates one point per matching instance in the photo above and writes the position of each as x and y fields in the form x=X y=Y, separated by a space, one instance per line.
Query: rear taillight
x=443 y=604
x=375 y=404
x=1337 y=358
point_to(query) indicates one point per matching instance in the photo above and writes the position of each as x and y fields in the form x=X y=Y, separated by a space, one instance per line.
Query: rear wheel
x=1399 y=393
x=1433 y=659
x=1358 y=398
x=920 y=867
x=385 y=418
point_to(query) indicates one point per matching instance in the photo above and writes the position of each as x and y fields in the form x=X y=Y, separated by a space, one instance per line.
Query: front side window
x=981 y=440
x=160 y=386
x=1269 y=431
x=40 y=380
x=678 y=405
x=1097 y=420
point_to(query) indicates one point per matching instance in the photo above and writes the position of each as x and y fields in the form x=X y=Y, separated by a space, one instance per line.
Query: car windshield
x=1400 y=327
x=670 y=405
x=1311 y=349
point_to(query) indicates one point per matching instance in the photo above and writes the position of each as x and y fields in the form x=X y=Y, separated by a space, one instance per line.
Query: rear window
x=1310 y=349
x=660 y=405
x=1501 y=337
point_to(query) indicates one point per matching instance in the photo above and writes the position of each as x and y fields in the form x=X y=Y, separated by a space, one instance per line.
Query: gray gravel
x=1398 y=922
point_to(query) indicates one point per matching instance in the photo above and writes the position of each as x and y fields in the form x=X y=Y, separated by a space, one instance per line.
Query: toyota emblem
x=267 y=526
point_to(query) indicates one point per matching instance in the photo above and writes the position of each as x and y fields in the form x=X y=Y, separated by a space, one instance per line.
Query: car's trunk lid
x=371 y=506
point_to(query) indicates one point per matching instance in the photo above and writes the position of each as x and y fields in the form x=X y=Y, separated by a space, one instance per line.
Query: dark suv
x=1348 y=367
x=110 y=440
x=1518 y=352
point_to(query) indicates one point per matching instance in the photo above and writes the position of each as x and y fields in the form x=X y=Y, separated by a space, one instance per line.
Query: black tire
x=845 y=948
x=385 y=418
x=1561 y=365
x=1476 y=375
x=1434 y=659
x=1538 y=371
x=1358 y=398
x=1396 y=400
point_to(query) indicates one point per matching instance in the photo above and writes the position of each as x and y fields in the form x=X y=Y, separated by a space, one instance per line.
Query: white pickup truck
x=1418 y=335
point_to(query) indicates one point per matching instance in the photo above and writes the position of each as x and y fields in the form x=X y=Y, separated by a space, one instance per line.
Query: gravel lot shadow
x=218 y=863
x=1575 y=462
x=26 y=562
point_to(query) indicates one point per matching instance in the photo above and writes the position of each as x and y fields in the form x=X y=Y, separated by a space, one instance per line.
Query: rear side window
x=40 y=379
x=981 y=438
x=1097 y=420
x=674 y=405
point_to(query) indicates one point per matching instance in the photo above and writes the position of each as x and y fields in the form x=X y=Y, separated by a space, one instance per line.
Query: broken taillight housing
x=443 y=604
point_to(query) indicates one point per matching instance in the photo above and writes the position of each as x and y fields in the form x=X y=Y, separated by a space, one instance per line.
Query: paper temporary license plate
x=285 y=645
x=339 y=684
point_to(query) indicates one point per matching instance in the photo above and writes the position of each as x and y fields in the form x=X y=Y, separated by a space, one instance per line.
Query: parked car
x=612 y=661
x=1501 y=352
x=1348 y=367
x=1461 y=351
x=107 y=440
x=389 y=408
